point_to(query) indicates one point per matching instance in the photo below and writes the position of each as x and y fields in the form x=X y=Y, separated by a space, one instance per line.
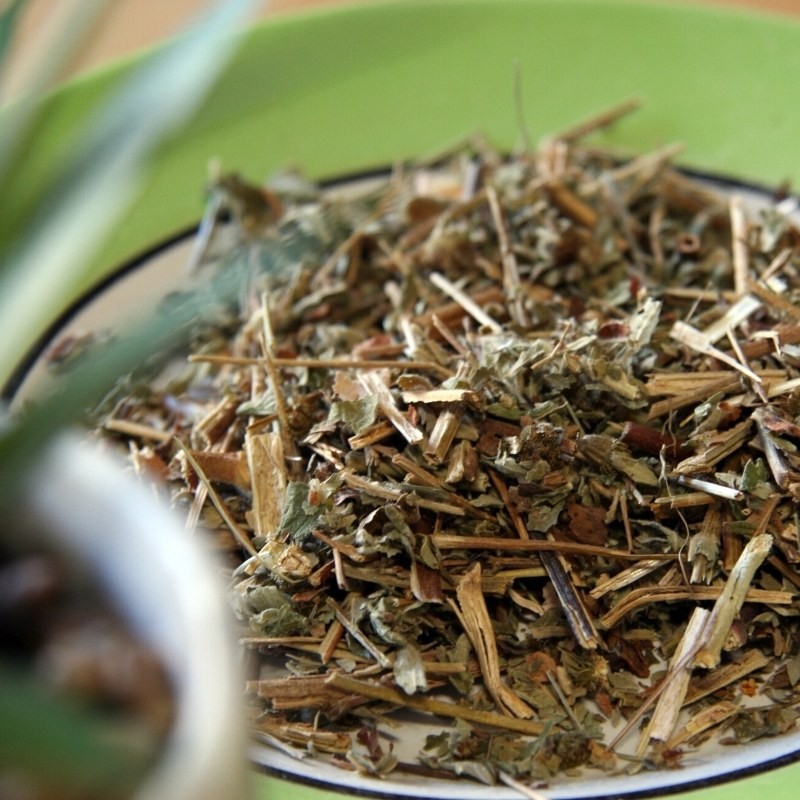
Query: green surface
x=778 y=784
x=351 y=88
x=348 y=89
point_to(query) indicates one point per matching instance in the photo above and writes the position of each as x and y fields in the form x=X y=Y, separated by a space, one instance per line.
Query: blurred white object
x=168 y=588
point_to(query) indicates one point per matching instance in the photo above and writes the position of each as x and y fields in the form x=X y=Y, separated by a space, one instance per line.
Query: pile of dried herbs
x=512 y=442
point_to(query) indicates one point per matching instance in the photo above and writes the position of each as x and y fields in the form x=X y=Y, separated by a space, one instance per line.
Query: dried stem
x=465 y=301
x=731 y=599
x=238 y=533
x=433 y=706
x=676 y=684
x=474 y=618
x=602 y=120
x=454 y=542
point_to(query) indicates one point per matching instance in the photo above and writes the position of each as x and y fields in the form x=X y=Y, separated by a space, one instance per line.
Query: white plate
x=142 y=285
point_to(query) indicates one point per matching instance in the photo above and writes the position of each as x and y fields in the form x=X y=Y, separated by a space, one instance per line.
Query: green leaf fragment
x=274 y=613
x=297 y=520
x=357 y=415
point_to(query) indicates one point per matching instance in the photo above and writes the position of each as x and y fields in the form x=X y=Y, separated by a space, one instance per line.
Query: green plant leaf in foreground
x=65 y=31
x=60 y=744
x=24 y=439
x=48 y=258
x=8 y=22
x=44 y=261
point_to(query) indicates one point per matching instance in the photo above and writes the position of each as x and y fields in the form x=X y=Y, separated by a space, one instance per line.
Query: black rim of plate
x=140 y=261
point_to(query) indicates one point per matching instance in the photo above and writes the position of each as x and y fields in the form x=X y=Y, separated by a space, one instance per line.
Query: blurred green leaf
x=60 y=743
x=22 y=443
x=102 y=177
x=44 y=249
x=25 y=115
x=8 y=22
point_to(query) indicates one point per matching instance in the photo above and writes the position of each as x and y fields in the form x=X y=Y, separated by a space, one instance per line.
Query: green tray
x=348 y=89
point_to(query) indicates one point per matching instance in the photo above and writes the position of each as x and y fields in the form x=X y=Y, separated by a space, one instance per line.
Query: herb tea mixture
x=509 y=441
